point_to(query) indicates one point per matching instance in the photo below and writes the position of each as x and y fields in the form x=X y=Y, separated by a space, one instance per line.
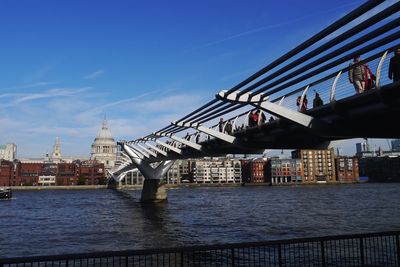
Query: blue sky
x=65 y=64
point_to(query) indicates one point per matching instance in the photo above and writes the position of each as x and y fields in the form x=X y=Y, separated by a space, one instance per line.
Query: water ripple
x=75 y=221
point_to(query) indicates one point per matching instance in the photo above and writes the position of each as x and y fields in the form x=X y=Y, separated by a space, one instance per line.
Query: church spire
x=56 y=155
x=105 y=123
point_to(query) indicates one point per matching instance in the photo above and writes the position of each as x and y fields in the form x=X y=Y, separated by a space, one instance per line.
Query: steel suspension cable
x=365 y=24
x=325 y=32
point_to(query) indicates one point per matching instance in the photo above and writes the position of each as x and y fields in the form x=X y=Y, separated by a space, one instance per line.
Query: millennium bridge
x=272 y=108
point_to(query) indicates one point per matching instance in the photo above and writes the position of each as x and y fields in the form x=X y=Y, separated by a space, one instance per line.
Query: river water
x=46 y=222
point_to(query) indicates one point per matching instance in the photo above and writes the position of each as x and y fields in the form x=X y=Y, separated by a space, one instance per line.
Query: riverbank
x=86 y=187
x=183 y=185
x=218 y=185
x=194 y=185
x=58 y=187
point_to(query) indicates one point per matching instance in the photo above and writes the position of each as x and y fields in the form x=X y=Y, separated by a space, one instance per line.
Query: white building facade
x=47 y=180
x=8 y=152
x=217 y=171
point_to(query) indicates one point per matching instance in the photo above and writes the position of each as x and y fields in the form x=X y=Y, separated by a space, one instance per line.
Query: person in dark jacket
x=317 y=101
x=228 y=128
x=394 y=66
x=357 y=75
x=221 y=125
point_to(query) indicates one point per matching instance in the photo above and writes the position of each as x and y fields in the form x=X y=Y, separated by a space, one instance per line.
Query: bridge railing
x=336 y=86
x=376 y=249
x=331 y=88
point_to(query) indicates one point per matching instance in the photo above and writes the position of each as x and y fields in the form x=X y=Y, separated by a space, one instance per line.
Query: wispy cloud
x=90 y=114
x=41 y=72
x=30 y=85
x=268 y=27
x=179 y=103
x=66 y=131
x=94 y=75
x=52 y=93
x=7 y=95
x=263 y=28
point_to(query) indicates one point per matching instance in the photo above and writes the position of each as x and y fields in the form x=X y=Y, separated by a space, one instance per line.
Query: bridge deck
x=358 y=115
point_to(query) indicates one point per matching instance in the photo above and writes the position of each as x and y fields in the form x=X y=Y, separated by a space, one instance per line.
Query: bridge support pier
x=112 y=184
x=153 y=188
x=153 y=191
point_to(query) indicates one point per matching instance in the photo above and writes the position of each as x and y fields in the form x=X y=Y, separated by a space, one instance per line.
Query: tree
x=81 y=179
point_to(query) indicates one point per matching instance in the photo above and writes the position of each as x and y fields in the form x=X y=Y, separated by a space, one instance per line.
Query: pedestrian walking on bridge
x=357 y=75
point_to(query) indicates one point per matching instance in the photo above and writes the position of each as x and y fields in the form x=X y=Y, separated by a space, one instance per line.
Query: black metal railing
x=375 y=249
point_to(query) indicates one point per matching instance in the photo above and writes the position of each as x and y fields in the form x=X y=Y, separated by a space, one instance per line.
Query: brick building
x=254 y=171
x=257 y=171
x=284 y=171
x=91 y=172
x=346 y=169
x=28 y=173
x=33 y=174
x=67 y=174
x=6 y=173
x=318 y=165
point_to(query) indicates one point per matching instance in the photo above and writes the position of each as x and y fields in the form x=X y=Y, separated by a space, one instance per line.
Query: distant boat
x=5 y=193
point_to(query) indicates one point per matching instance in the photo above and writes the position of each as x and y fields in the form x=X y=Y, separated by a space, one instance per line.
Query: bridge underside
x=361 y=115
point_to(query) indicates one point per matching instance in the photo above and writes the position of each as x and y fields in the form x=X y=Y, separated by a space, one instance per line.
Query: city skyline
x=65 y=66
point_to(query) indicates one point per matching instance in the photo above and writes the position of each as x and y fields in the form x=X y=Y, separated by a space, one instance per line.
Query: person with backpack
x=370 y=78
x=357 y=74
x=228 y=128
